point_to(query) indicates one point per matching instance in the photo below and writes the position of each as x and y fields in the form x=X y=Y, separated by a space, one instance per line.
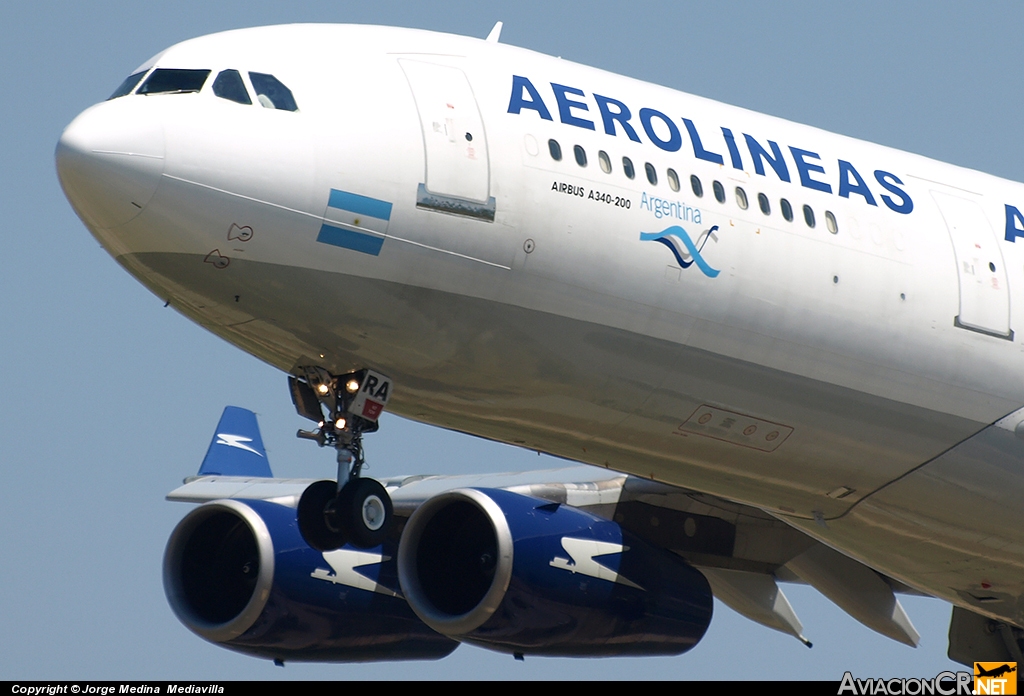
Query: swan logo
x=236 y=441
x=682 y=246
x=347 y=566
x=582 y=559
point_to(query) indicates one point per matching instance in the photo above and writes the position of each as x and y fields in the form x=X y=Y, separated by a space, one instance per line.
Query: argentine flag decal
x=355 y=222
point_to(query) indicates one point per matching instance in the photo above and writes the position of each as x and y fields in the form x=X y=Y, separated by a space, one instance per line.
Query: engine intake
x=219 y=569
x=455 y=561
x=238 y=573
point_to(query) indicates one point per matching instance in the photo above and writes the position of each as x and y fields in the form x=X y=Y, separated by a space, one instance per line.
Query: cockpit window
x=129 y=84
x=173 y=81
x=229 y=85
x=271 y=93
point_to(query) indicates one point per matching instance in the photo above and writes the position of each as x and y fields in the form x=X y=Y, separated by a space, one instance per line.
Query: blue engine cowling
x=523 y=575
x=239 y=574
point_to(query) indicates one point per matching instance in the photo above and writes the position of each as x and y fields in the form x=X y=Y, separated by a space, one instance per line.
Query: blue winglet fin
x=237 y=447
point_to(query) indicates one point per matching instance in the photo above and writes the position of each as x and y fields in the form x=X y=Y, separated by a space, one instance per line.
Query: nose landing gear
x=365 y=509
x=318 y=517
x=352 y=509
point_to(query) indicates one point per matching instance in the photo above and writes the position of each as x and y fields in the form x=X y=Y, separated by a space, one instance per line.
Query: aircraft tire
x=367 y=511
x=319 y=522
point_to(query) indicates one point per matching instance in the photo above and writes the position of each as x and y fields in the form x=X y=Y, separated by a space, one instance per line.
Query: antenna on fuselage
x=495 y=33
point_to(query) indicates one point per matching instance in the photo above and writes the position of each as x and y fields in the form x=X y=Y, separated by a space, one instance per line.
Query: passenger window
x=581 y=155
x=168 y=81
x=809 y=216
x=229 y=85
x=627 y=167
x=652 y=174
x=271 y=93
x=741 y=198
x=763 y=204
x=698 y=188
x=129 y=84
x=830 y=222
x=719 y=190
x=606 y=163
x=787 y=210
x=555 y=149
x=673 y=180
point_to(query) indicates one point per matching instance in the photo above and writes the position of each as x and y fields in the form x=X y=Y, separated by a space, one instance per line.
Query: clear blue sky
x=108 y=400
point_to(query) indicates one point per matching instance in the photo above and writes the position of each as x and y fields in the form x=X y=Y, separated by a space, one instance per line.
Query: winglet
x=237 y=447
x=495 y=33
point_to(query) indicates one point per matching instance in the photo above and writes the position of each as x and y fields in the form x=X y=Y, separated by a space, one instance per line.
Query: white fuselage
x=410 y=217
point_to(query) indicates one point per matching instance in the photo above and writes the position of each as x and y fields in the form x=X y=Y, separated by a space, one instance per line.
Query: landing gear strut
x=351 y=509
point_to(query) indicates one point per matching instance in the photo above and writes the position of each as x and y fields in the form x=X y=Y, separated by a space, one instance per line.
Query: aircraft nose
x=109 y=161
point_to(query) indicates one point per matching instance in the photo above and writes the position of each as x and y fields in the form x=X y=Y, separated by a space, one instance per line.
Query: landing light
x=322 y=388
x=352 y=386
x=340 y=424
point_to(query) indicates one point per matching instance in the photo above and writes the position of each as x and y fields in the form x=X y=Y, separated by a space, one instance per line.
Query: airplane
x=786 y=325
x=999 y=671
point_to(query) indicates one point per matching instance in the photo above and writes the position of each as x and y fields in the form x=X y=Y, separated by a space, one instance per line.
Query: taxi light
x=322 y=388
x=340 y=424
x=352 y=386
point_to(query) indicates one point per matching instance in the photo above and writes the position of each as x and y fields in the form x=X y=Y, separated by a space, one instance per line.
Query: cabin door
x=457 y=176
x=984 y=291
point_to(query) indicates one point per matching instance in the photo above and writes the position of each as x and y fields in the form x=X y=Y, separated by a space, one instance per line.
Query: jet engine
x=528 y=576
x=239 y=574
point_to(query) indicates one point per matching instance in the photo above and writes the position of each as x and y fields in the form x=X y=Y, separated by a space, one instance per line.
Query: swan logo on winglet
x=237 y=441
x=686 y=251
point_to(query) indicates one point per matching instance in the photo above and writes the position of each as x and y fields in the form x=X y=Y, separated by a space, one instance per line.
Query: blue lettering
x=674 y=142
x=760 y=156
x=846 y=187
x=1013 y=229
x=661 y=207
x=698 y=148
x=805 y=168
x=620 y=115
x=565 y=106
x=905 y=205
x=518 y=102
x=734 y=152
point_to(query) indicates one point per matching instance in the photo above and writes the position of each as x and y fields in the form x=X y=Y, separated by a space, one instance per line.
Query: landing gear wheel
x=320 y=523
x=367 y=512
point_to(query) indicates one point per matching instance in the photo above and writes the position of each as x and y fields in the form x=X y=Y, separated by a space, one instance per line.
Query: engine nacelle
x=238 y=573
x=523 y=575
